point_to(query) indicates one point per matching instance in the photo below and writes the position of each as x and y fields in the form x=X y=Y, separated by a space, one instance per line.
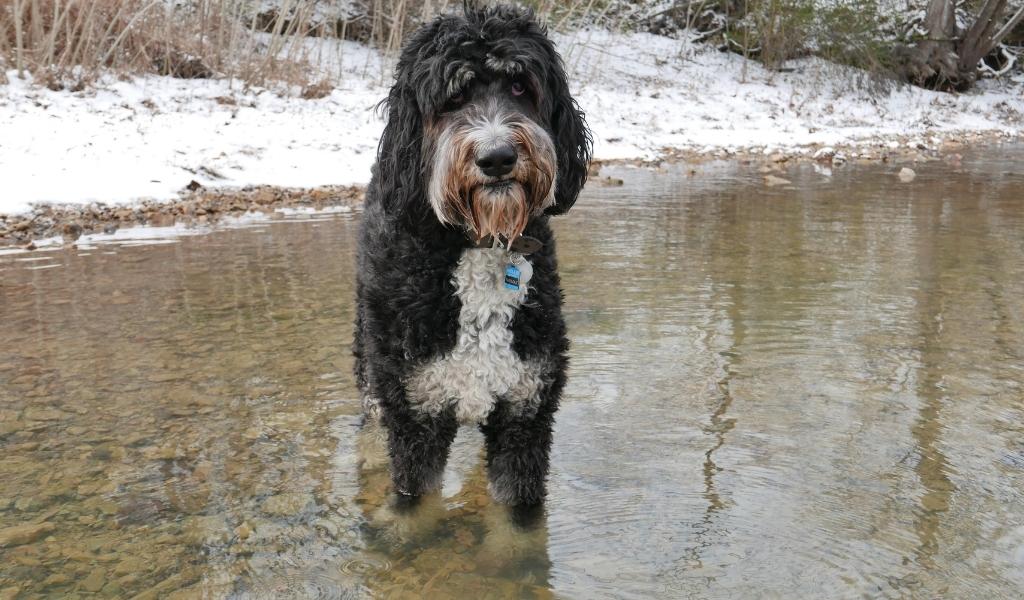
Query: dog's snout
x=497 y=161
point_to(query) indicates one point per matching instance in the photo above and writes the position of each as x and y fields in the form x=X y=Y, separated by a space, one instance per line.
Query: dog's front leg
x=418 y=445
x=518 y=445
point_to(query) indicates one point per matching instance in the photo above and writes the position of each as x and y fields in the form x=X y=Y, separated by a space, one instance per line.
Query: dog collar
x=523 y=244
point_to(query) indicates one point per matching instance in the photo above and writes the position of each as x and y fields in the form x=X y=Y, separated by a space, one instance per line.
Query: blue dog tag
x=512 y=277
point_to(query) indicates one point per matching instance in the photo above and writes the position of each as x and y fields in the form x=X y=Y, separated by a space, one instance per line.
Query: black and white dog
x=459 y=304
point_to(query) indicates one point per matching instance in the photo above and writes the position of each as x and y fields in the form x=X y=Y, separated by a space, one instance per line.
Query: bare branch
x=987 y=18
x=1013 y=22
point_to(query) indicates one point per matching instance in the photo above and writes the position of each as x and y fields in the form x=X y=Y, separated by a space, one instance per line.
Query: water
x=811 y=390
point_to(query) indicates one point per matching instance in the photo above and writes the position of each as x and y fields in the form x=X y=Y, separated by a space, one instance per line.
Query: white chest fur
x=482 y=366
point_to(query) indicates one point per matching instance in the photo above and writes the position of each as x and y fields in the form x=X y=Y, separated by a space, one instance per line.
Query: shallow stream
x=803 y=390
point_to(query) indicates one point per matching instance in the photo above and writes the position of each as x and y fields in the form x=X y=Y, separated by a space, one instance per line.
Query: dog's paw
x=513 y=490
x=516 y=536
x=406 y=519
x=526 y=517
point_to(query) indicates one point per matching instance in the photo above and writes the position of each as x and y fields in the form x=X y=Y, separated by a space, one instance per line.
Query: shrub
x=68 y=43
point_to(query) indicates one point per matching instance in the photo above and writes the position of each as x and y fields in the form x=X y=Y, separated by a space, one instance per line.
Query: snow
x=149 y=137
x=643 y=93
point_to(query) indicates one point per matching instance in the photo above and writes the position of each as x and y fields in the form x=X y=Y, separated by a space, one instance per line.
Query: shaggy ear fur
x=399 y=168
x=573 y=144
x=399 y=145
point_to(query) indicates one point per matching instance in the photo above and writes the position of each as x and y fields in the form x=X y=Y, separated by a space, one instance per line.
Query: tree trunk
x=947 y=58
x=979 y=39
x=933 y=61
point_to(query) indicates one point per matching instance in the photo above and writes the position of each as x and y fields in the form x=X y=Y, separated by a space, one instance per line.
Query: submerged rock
x=243 y=531
x=610 y=182
x=24 y=534
x=43 y=414
x=824 y=154
x=205 y=530
x=28 y=503
x=76 y=554
x=111 y=590
x=286 y=505
x=772 y=180
x=172 y=583
x=95 y=581
x=130 y=566
x=329 y=527
x=907 y=175
x=57 y=579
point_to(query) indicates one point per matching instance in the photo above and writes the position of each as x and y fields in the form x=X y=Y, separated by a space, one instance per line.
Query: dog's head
x=481 y=126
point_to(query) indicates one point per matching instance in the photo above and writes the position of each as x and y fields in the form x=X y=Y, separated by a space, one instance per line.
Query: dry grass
x=67 y=44
x=386 y=22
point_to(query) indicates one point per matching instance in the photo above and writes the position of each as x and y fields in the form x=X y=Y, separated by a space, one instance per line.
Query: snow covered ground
x=149 y=137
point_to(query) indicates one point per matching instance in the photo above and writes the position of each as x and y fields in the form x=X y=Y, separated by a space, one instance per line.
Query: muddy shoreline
x=202 y=206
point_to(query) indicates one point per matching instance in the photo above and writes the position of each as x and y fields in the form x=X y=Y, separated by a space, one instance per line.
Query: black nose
x=497 y=161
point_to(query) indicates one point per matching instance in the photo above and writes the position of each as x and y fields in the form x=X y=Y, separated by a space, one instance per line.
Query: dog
x=458 y=313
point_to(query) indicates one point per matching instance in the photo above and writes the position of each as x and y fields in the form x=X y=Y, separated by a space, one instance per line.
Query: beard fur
x=503 y=213
x=460 y=193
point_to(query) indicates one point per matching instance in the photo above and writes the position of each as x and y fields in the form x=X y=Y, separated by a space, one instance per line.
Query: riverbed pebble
x=95 y=581
x=132 y=564
x=169 y=584
x=206 y=205
x=773 y=180
x=243 y=531
x=287 y=504
x=205 y=531
x=43 y=414
x=57 y=579
x=112 y=589
x=76 y=554
x=70 y=222
x=24 y=534
x=824 y=154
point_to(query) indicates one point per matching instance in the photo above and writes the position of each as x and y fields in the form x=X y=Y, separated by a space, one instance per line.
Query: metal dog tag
x=518 y=272
x=512 y=275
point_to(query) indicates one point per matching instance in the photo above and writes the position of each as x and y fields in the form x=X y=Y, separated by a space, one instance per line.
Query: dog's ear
x=399 y=147
x=399 y=171
x=573 y=144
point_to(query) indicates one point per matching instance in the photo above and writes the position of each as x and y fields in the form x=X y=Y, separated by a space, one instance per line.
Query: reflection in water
x=932 y=465
x=805 y=391
x=720 y=423
x=449 y=546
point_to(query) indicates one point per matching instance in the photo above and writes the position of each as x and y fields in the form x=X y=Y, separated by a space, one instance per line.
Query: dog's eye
x=454 y=102
x=518 y=89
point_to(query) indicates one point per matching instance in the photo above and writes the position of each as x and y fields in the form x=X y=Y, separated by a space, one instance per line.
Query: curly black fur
x=407 y=305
